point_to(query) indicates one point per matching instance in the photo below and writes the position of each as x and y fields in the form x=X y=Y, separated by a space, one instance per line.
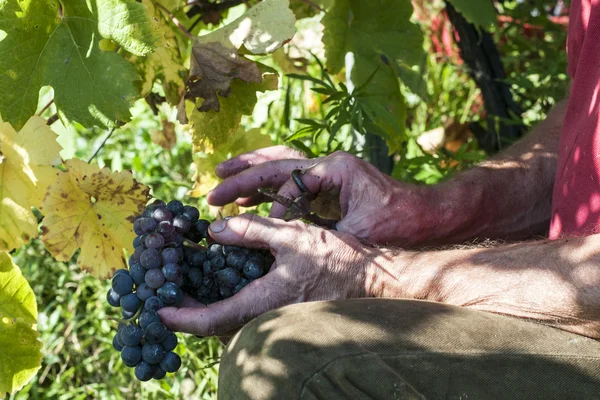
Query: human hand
x=366 y=203
x=311 y=264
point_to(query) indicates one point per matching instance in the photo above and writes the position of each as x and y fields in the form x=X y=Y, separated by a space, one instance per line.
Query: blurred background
x=482 y=89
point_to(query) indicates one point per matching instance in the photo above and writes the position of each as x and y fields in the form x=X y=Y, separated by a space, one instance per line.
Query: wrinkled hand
x=311 y=264
x=366 y=203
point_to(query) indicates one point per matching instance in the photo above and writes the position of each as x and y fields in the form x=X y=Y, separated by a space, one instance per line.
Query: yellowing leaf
x=26 y=160
x=92 y=209
x=165 y=137
x=20 y=355
x=204 y=176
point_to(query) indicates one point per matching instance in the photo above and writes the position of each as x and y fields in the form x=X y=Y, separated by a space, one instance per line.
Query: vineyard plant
x=108 y=105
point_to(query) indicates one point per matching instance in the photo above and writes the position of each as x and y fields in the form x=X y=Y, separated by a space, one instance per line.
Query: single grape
x=166 y=229
x=159 y=373
x=171 y=362
x=214 y=250
x=132 y=259
x=191 y=212
x=175 y=206
x=228 y=277
x=195 y=277
x=153 y=353
x=137 y=272
x=197 y=258
x=208 y=282
x=169 y=293
x=122 y=284
x=253 y=270
x=169 y=342
x=202 y=227
x=144 y=292
x=153 y=303
x=217 y=262
x=203 y=291
x=236 y=259
x=242 y=283
x=150 y=259
x=148 y=317
x=147 y=225
x=144 y=371
x=127 y=314
x=169 y=256
x=117 y=344
x=137 y=242
x=156 y=332
x=131 y=355
x=162 y=214
x=154 y=241
x=137 y=253
x=182 y=224
x=113 y=298
x=131 y=335
x=155 y=278
x=130 y=302
x=207 y=268
x=172 y=272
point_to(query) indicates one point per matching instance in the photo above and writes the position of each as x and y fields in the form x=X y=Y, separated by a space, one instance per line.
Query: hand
x=368 y=204
x=311 y=264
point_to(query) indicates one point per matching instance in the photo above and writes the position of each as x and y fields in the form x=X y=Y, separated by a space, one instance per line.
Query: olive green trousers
x=405 y=349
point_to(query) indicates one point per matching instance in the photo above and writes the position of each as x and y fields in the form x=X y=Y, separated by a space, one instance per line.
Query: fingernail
x=219 y=225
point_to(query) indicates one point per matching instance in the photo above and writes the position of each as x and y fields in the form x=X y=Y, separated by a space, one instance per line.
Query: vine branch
x=174 y=19
x=101 y=145
x=47 y=106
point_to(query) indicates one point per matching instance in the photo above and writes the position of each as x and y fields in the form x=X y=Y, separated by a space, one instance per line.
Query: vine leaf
x=165 y=137
x=213 y=129
x=379 y=44
x=20 y=349
x=476 y=12
x=92 y=209
x=57 y=43
x=204 y=167
x=26 y=160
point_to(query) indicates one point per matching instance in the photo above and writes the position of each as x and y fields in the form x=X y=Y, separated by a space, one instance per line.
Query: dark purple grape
x=132 y=259
x=202 y=227
x=130 y=302
x=154 y=241
x=153 y=303
x=137 y=242
x=150 y=259
x=169 y=342
x=113 y=298
x=191 y=212
x=169 y=256
x=195 y=277
x=147 y=225
x=144 y=292
x=228 y=277
x=120 y=271
x=162 y=214
x=203 y=291
x=153 y=353
x=127 y=314
x=182 y=224
x=214 y=250
x=117 y=344
x=137 y=272
x=208 y=282
x=207 y=268
x=155 y=278
x=155 y=333
x=131 y=335
x=148 y=317
x=197 y=258
x=217 y=263
x=236 y=259
x=253 y=270
x=159 y=373
x=137 y=253
x=131 y=355
x=144 y=371
x=175 y=206
x=166 y=229
x=122 y=284
x=171 y=362
x=172 y=272
x=168 y=293
x=242 y=283
x=230 y=249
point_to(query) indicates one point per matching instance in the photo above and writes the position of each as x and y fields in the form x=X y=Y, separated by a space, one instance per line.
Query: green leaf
x=214 y=128
x=478 y=12
x=58 y=44
x=20 y=355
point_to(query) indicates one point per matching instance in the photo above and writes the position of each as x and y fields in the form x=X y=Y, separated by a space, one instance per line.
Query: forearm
x=552 y=282
x=508 y=196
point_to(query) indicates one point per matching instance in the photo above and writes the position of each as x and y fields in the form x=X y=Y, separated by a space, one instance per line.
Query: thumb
x=252 y=231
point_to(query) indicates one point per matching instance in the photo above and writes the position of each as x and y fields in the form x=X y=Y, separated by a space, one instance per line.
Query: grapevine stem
x=47 y=106
x=174 y=19
x=189 y=243
x=101 y=145
x=128 y=320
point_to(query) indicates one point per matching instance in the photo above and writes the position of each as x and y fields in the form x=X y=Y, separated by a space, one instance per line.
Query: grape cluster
x=174 y=256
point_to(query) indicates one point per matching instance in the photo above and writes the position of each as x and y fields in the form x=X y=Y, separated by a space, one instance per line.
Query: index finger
x=241 y=162
x=256 y=298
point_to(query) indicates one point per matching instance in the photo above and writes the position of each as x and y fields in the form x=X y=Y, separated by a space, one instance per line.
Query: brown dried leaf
x=213 y=68
x=165 y=137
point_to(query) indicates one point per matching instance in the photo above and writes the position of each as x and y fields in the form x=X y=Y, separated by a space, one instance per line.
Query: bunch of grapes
x=174 y=256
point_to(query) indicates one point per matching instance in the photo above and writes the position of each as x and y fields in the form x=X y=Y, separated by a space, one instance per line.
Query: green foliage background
x=79 y=361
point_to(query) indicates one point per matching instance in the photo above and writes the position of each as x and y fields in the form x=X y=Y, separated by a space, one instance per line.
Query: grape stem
x=128 y=321
x=189 y=243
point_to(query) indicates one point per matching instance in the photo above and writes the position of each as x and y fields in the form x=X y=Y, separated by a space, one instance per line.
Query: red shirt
x=576 y=197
